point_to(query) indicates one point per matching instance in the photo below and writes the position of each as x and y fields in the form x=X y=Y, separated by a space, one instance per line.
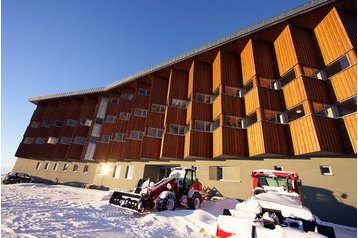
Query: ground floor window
x=38 y=165
x=326 y=170
x=130 y=172
x=117 y=171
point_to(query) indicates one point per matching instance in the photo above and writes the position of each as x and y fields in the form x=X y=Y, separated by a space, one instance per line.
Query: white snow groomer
x=181 y=187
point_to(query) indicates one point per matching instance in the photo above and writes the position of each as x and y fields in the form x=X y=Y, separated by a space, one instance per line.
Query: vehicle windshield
x=274 y=181
x=178 y=175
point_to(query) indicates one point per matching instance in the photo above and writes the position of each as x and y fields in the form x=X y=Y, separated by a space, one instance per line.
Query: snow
x=38 y=210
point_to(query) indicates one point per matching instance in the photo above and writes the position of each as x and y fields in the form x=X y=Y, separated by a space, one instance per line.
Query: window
x=117 y=171
x=75 y=168
x=106 y=139
x=119 y=137
x=231 y=91
x=270 y=83
x=215 y=94
x=274 y=116
x=28 y=140
x=38 y=165
x=313 y=73
x=142 y=91
x=202 y=126
x=232 y=121
x=177 y=129
x=130 y=172
x=295 y=113
x=93 y=139
x=246 y=88
x=71 y=123
x=139 y=112
x=98 y=120
x=58 y=123
x=110 y=119
x=288 y=77
x=155 y=132
x=322 y=109
x=79 y=140
x=347 y=107
x=115 y=100
x=46 y=166
x=52 y=140
x=55 y=166
x=124 y=116
x=204 y=98
x=46 y=123
x=65 y=140
x=250 y=119
x=39 y=140
x=127 y=96
x=85 y=169
x=337 y=66
x=278 y=167
x=215 y=124
x=326 y=170
x=65 y=167
x=179 y=103
x=158 y=108
x=136 y=135
x=85 y=122
x=35 y=124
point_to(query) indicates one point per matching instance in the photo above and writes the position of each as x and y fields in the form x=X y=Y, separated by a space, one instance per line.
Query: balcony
x=172 y=146
x=199 y=111
x=229 y=141
x=350 y=123
x=344 y=84
x=151 y=147
x=228 y=105
x=198 y=144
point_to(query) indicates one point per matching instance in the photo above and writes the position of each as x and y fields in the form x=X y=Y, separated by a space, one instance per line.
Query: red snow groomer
x=181 y=187
x=275 y=180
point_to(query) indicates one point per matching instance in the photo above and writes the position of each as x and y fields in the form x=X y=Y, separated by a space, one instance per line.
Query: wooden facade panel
x=198 y=144
x=317 y=90
x=217 y=106
x=265 y=59
x=117 y=149
x=227 y=70
x=231 y=137
x=102 y=152
x=155 y=119
x=140 y=101
x=60 y=151
x=270 y=99
x=349 y=21
x=285 y=51
x=200 y=78
x=294 y=93
x=175 y=116
x=350 y=123
x=307 y=53
x=275 y=138
x=328 y=134
x=252 y=101
x=232 y=106
x=121 y=126
x=247 y=62
x=136 y=123
x=255 y=139
x=304 y=136
x=344 y=84
x=132 y=149
x=178 y=85
x=151 y=147
x=217 y=71
x=39 y=112
x=332 y=37
x=74 y=151
x=172 y=146
x=199 y=111
x=159 y=90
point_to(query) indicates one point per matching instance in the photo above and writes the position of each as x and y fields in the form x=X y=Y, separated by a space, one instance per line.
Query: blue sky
x=58 y=45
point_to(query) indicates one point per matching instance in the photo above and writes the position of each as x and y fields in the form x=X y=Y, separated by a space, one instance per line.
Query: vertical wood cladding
x=248 y=62
x=332 y=38
x=178 y=85
x=267 y=138
x=151 y=147
x=265 y=59
x=349 y=21
x=307 y=52
x=198 y=144
x=200 y=78
x=285 y=51
x=159 y=90
x=172 y=146
x=344 y=84
x=226 y=70
x=350 y=123
x=229 y=141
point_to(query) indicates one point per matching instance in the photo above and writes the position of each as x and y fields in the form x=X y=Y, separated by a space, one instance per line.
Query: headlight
x=169 y=186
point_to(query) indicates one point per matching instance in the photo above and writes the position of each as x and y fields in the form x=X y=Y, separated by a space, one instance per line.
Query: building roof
x=247 y=31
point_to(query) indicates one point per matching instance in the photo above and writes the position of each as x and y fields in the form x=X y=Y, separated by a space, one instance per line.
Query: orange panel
x=350 y=123
x=344 y=84
x=247 y=62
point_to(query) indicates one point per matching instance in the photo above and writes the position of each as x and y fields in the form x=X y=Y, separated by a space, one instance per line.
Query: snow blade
x=326 y=230
x=126 y=199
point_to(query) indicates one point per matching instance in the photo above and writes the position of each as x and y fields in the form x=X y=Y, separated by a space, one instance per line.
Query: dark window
x=115 y=101
x=93 y=139
x=278 y=168
x=251 y=119
x=85 y=169
x=295 y=113
x=219 y=173
x=99 y=120
x=337 y=66
x=288 y=77
x=75 y=168
x=59 y=123
x=38 y=165
x=46 y=166
x=326 y=170
x=65 y=167
x=248 y=87
x=347 y=107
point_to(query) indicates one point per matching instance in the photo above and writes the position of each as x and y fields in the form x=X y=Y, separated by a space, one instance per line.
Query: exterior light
x=104 y=169
x=298 y=111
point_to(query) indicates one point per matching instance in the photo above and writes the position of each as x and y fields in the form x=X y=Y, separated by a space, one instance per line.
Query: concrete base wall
x=331 y=197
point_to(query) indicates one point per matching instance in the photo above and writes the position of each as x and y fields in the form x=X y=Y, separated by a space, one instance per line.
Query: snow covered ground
x=38 y=210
